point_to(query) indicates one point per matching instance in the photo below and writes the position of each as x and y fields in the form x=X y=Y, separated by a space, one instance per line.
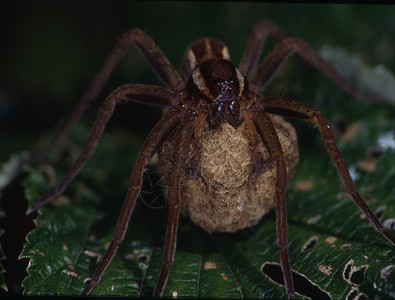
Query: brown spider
x=225 y=152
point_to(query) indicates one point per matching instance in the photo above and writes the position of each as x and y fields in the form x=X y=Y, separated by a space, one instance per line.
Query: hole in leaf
x=389 y=223
x=385 y=272
x=376 y=152
x=345 y=246
x=379 y=212
x=354 y=275
x=361 y=296
x=358 y=276
x=347 y=270
x=303 y=286
x=87 y=279
x=143 y=257
x=310 y=243
x=355 y=294
x=352 y=294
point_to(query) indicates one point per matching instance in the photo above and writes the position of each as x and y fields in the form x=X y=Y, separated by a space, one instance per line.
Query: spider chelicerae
x=225 y=152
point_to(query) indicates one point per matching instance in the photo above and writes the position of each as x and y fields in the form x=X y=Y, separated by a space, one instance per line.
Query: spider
x=225 y=152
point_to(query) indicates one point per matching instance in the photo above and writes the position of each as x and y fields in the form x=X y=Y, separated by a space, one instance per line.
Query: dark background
x=50 y=51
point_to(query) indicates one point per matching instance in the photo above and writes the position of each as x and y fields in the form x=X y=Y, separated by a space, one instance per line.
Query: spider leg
x=273 y=61
x=253 y=50
x=161 y=130
x=270 y=139
x=171 y=235
x=147 y=94
x=124 y=93
x=182 y=139
x=162 y=67
x=292 y=108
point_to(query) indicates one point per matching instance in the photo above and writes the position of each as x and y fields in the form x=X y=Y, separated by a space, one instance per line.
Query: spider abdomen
x=226 y=195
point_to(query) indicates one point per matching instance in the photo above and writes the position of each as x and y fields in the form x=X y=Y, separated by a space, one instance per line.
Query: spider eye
x=218 y=80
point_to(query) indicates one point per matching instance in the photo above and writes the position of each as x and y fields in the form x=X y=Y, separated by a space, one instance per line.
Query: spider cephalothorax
x=213 y=79
x=222 y=85
x=226 y=153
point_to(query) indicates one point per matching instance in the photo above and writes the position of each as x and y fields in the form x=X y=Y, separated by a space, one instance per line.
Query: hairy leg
x=154 y=56
x=162 y=129
x=270 y=139
x=253 y=50
x=183 y=137
x=122 y=94
x=273 y=61
x=292 y=108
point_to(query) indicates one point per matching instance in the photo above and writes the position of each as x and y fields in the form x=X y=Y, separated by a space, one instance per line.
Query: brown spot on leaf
x=331 y=240
x=93 y=254
x=303 y=186
x=60 y=200
x=314 y=219
x=351 y=131
x=70 y=273
x=326 y=269
x=209 y=265
x=367 y=165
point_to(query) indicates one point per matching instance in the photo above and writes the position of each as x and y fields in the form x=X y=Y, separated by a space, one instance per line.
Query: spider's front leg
x=288 y=46
x=159 y=133
x=182 y=139
x=154 y=56
x=141 y=93
x=253 y=50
